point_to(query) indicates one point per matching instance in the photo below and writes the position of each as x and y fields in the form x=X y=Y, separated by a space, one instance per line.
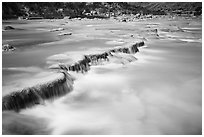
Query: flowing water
x=159 y=92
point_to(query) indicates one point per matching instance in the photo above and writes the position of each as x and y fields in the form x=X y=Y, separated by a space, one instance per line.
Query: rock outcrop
x=37 y=94
x=62 y=84
x=93 y=59
x=7 y=47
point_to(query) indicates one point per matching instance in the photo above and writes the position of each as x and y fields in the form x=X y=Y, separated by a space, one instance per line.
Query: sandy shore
x=159 y=93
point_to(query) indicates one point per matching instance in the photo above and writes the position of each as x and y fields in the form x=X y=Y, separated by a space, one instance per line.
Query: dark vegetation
x=51 y=10
x=171 y=6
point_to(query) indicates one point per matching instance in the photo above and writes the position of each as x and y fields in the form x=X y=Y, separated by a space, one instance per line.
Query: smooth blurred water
x=159 y=93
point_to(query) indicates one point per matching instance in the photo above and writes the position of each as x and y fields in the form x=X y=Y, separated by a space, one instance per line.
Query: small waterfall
x=31 y=96
x=37 y=94
x=88 y=60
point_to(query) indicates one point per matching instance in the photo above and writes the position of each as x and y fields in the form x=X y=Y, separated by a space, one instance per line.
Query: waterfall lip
x=62 y=84
x=83 y=65
x=43 y=80
x=36 y=94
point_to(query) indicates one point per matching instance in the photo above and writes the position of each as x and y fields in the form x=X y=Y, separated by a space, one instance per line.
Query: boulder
x=124 y=20
x=9 y=28
x=7 y=47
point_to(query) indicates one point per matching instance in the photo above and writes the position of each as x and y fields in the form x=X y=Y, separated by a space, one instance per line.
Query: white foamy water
x=23 y=69
x=115 y=42
x=191 y=28
x=137 y=98
x=58 y=57
x=158 y=92
x=192 y=40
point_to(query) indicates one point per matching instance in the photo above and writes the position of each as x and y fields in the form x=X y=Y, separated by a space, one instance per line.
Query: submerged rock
x=57 y=29
x=63 y=34
x=177 y=29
